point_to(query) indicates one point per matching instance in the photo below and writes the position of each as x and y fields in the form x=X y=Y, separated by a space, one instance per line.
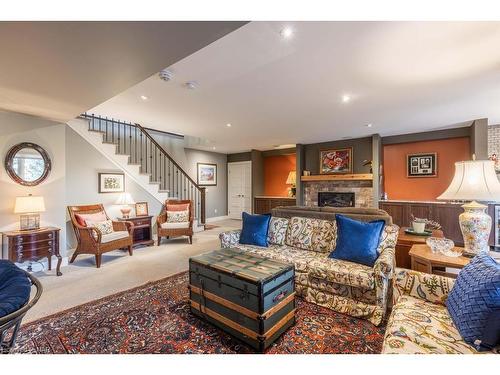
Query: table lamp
x=125 y=200
x=29 y=207
x=291 y=180
x=474 y=180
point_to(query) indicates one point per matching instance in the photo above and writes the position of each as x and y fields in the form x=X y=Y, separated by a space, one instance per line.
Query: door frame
x=248 y=162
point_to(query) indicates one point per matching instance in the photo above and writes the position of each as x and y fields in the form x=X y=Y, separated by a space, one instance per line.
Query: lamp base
x=125 y=212
x=475 y=224
x=29 y=222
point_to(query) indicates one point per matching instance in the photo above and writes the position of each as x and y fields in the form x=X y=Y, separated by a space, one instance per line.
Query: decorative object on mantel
x=291 y=180
x=421 y=165
x=429 y=224
x=141 y=209
x=125 y=200
x=29 y=207
x=443 y=246
x=207 y=174
x=335 y=161
x=370 y=163
x=474 y=180
x=306 y=173
x=27 y=163
x=111 y=183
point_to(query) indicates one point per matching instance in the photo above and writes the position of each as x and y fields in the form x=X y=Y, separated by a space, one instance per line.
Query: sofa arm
x=386 y=262
x=229 y=238
x=431 y=288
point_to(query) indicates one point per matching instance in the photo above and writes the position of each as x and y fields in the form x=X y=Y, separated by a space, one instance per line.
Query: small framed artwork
x=141 y=209
x=207 y=174
x=335 y=161
x=111 y=183
x=421 y=165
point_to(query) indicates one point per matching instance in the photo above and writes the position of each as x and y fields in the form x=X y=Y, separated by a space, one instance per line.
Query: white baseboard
x=216 y=218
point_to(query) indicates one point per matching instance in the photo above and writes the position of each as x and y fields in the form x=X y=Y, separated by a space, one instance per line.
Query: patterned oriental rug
x=155 y=318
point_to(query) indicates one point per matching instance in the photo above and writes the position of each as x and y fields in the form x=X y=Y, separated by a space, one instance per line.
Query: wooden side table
x=23 y=245
x=404 y=244
x=424 y=260
x=143 y=230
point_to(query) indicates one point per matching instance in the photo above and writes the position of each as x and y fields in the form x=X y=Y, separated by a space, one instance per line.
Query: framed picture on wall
x=141 y=209
x=421 y=165
x=207 y=174
x=335 y=161
x=111 y=183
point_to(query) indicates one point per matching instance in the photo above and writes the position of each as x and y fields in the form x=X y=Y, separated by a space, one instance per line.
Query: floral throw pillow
x=277 y=230
x=177 y=216
x=105 y=227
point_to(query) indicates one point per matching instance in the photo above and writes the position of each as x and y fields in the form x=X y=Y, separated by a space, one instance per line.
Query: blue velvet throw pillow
x=357 y=241
x=15 y=288
x=254 y=231
x=474 y=302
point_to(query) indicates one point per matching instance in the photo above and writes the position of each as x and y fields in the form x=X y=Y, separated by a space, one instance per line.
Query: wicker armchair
x=175 y=230
x=92 y=241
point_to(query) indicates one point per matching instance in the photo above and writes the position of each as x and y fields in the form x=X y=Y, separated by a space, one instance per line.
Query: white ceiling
x=402 y=76
x=58 y=70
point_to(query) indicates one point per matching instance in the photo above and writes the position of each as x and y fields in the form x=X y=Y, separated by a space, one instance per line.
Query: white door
x=239 y=192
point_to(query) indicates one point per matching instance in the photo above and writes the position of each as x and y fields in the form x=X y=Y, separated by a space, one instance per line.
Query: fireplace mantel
x=339 y=177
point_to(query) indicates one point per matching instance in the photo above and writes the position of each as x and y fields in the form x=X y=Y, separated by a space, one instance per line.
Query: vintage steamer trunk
x=250 y=297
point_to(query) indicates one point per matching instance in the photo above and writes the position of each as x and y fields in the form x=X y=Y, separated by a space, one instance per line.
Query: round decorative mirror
x=27 y=163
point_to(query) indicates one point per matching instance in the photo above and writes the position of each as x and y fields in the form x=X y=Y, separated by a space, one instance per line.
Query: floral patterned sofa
x=419 y=322
x=346 y=287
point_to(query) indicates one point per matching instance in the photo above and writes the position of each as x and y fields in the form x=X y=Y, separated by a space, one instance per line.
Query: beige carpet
x=82 y=282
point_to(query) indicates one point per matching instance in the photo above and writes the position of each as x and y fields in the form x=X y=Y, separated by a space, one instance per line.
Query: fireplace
x=335 y=199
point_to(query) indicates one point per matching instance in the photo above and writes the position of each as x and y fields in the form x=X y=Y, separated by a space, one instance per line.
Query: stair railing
x=142 y=149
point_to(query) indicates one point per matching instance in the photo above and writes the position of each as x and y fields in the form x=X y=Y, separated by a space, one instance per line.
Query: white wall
x=83 y=163
x=16 y=128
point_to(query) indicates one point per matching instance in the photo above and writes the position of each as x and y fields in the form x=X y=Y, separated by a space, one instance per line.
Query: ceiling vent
x=166 y=75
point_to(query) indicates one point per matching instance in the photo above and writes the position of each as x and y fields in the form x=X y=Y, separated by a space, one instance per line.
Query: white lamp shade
x=292 y=178
x=124 y=199
x=473 y=180
x=29 y=204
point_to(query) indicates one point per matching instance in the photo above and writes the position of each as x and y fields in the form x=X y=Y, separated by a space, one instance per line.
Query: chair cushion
x=113 y=236
x=15 y=288
x=357 y=241
x=277 y=230
x=474 y=302
x=95 y=217
x=420 y=327
x=254 y=229
x=311 y=234
x=175 y=225
x=105 y=227
x=178 y=207
x=177 y=216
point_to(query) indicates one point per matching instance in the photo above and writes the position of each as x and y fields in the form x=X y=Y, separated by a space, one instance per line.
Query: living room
x=250 y=187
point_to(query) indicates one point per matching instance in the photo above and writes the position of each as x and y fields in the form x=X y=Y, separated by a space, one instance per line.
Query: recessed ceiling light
x=369 y=125
x=228 y=125
x=191 y=85
x=144 y=97
x=346 y=98
x=286 y=32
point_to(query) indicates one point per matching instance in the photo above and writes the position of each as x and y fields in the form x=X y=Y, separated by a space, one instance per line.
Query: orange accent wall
x=398 y=186
x=276 y=170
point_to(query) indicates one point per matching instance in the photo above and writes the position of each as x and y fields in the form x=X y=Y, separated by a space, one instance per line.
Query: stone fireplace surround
x=363 y=191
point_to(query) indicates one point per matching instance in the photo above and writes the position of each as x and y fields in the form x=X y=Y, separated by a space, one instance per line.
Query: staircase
x=131 y=148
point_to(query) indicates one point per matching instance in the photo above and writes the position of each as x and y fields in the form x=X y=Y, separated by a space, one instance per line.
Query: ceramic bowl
x=443 y=246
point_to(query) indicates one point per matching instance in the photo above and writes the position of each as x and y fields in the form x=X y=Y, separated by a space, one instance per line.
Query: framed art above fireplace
x=335 y=161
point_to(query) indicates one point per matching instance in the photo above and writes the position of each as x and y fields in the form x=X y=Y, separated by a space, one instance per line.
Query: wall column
x=300 y=162
x=479 y=139
x=378 y=186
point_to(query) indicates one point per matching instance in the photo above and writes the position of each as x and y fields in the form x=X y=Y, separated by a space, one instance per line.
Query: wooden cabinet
x=23 y=245
x=143 y=230
x=445 y=214
x=264 y=205
x=405 y=243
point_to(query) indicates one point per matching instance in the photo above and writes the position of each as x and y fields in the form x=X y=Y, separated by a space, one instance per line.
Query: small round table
x=424 y=260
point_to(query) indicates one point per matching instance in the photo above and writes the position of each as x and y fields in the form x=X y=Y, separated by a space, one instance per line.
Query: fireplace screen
x=334 y=199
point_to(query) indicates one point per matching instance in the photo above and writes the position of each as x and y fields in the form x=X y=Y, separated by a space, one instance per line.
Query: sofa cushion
x=175 y=225
x=420 y=327
x=113 y=236
x=254 y=229
x=105 y=227
x=95 y=217
x=474 y=302
x=177 y=216
x=311 y=234
x=15 y=288
x=277 y=230
x=357 y=241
